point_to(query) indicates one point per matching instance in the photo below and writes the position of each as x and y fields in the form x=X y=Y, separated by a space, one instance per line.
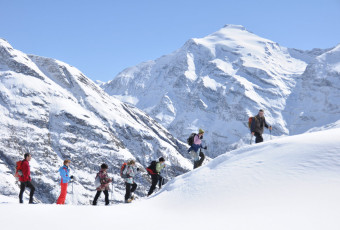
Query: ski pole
x=270 y=131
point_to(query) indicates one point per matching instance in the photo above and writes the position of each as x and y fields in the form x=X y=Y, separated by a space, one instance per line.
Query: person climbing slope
x=195 y=147
x=257 y=125
x=154 y=170
x=129 y=172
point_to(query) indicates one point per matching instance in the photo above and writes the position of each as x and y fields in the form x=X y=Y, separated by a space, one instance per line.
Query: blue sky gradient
x=101 y=38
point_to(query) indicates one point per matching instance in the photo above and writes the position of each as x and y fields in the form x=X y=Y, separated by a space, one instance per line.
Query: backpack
x=18 y=171
x=122 y=170
x=250 y=120
x=190 y=140
x=97 y=181
x=152 y=168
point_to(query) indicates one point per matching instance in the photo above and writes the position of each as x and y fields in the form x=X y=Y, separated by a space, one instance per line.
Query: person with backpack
x=65 y=178
x=197 y=145
x=154 y=170
x=104 y=185
x=25 y=178
x=257 y=125
x=128 y=173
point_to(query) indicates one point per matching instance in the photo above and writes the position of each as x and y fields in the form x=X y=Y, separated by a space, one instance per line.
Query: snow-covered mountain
x=51 y=109
x=289 y=183
x=315 y=100
x=216 y=83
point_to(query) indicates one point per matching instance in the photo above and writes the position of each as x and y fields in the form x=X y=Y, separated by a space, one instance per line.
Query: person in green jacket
x=154 y=171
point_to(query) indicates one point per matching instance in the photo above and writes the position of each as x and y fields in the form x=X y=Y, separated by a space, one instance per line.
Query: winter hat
x=161 y=159
x=200 y=131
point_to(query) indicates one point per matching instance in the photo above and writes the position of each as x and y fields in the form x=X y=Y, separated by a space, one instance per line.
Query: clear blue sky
x=103 y=37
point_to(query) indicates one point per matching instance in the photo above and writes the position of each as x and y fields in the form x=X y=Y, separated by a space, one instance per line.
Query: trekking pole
x=166 y=171
x=270 y=131
x=112 y=191
x=72 y=193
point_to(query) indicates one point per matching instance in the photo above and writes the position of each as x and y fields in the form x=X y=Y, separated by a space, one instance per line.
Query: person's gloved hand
x=137 y=169
x=205 y=147
x=72 y=177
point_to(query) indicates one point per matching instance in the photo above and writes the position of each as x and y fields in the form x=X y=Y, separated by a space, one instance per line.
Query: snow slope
x=216 y=83
x=51 y=109
x=289 y=183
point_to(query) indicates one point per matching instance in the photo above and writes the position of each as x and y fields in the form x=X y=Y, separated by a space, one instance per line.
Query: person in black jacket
x=257 y=125
x=155 y=177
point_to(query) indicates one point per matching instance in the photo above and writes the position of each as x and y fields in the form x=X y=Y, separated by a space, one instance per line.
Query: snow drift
x=288 y=183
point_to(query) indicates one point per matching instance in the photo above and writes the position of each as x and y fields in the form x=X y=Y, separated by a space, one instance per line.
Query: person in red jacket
x=25 y=179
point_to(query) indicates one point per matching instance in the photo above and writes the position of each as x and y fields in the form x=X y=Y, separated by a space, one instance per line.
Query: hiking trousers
x=258 y=137
x=63 y=193
x=200 y=161
x=106 y=193
x=156 y=178
x=130 y=188
x=23 y=186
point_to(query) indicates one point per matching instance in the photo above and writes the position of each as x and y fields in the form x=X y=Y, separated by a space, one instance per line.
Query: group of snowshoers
x=129 y=169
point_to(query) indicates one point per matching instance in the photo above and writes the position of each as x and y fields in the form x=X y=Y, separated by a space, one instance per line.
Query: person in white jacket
x=130 y=171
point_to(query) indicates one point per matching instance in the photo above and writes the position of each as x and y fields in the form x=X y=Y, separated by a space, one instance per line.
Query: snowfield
x=287 y=183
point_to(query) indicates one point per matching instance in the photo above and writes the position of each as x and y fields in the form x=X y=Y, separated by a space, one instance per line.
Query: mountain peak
x=232 y=35
x=4 y=43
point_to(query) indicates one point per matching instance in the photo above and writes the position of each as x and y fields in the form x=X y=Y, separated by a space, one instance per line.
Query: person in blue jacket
x=65 y=178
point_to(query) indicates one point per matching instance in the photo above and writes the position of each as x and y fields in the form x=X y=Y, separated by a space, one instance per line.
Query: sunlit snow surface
x=288 y=183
